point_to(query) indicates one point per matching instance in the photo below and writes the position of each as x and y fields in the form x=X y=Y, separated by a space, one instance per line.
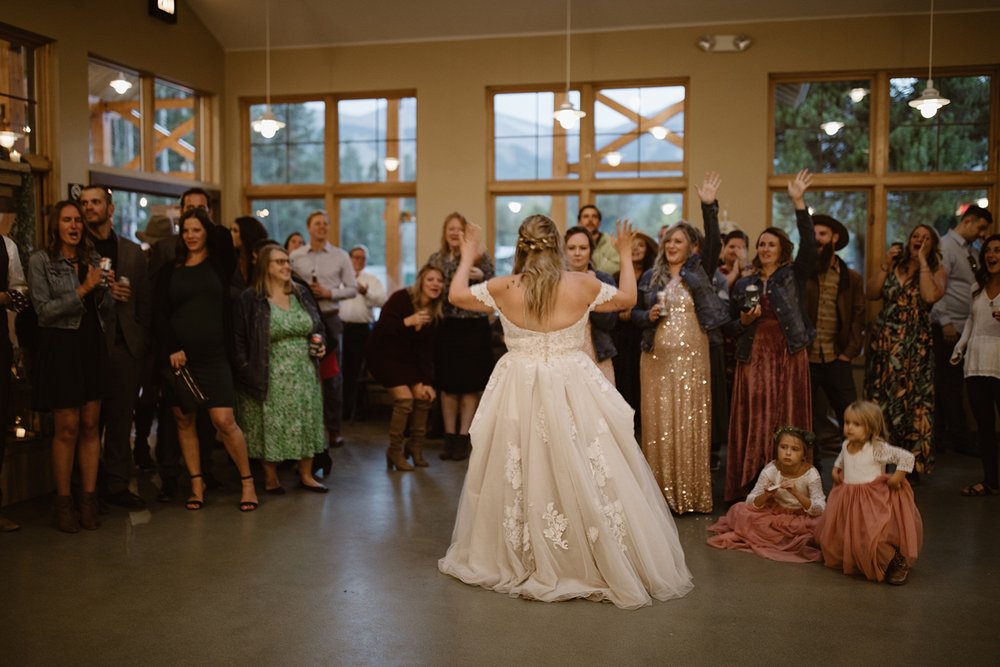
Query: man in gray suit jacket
x=127 y=340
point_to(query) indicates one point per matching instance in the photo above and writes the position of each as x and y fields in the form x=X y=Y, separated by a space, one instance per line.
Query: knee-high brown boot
x=394 y=457
x=418 y=429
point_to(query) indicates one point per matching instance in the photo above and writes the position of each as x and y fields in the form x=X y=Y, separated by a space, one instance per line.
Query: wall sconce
x=724 y=43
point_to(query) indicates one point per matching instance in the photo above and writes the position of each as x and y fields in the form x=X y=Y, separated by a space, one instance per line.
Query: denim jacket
x=52 y=287
x=696 y=273
x=602 y=325
x=786 y=290
x=252 y=335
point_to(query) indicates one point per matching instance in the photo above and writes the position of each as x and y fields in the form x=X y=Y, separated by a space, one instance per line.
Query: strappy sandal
x=195 y=504
x=248 y=505
x=978 y=490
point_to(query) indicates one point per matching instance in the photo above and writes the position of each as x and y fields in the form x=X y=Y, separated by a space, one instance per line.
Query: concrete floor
x=350 y=578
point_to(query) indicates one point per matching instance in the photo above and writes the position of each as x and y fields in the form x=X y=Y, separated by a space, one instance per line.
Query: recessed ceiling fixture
x=724 y=43
x=121 y=84
x=930 y=100
x=266 y=124
x=568 y=115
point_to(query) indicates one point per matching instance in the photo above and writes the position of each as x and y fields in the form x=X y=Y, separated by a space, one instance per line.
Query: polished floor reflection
x=350 y=578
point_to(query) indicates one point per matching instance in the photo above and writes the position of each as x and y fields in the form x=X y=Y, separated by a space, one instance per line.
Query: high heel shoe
x=248 y=505
x=415 y=453
x=193 y=504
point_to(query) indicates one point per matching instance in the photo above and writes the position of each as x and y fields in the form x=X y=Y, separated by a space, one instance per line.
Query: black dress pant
x=836 y=379
x=950 y=428
x=984 y=397
x=355 y=340
x=123 y=377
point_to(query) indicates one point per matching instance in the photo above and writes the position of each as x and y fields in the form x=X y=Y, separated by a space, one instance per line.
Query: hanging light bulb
x=614 y=158
x=659 y=132
x=391 y=163
x=7 y=135
x=121 y=84
x=857 y=94
x=514 y=206
x=568 y=115
x=267 y=125
x=930 y=100
x=983 y=202
x=831 y=127
x=668 y=208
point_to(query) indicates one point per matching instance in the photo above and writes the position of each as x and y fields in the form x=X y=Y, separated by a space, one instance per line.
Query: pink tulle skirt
x=864 y=524
x=775 y=533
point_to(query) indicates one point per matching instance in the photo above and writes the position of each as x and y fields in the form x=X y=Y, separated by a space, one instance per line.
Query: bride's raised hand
x=624 y=234
x=471 y=241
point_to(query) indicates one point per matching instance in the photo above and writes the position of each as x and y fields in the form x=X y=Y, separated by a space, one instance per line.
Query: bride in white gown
x=558 y=501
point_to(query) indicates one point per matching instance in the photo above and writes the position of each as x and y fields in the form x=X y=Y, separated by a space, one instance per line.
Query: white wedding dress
x=559 y=501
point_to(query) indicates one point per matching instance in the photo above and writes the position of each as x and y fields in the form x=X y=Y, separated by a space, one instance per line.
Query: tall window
x=354 y=157
x=627 y=157
x=881 y=168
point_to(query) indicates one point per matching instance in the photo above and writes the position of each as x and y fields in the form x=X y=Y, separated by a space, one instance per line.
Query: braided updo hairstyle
x=540 y=260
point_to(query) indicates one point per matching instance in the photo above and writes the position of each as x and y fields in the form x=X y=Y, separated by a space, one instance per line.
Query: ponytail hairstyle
x=540 y=260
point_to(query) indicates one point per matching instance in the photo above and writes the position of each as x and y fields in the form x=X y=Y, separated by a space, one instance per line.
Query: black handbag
x=185 y=390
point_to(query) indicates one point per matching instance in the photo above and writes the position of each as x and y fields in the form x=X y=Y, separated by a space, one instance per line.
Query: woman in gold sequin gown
x=677 y=309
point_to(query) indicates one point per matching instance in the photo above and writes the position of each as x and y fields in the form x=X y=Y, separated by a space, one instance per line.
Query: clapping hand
x=709 y=187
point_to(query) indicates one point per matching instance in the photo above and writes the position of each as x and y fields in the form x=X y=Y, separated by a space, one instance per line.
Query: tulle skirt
x=864 y=525
x=776 y=533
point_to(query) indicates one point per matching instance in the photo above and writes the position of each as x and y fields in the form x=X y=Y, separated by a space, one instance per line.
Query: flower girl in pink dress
x=779 y=518
x=871 y=524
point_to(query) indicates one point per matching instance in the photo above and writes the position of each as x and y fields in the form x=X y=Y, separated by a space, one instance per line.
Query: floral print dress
x=288 y=425
x=900 y=370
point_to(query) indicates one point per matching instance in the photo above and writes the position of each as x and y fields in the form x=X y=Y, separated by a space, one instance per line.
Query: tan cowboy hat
x=158 y=227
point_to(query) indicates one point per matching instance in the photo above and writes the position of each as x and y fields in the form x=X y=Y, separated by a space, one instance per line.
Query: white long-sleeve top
x=808 y=483
x=980 y=341
x=870 y=461
x=358 y=309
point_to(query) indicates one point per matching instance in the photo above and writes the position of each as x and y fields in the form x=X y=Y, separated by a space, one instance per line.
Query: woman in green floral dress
x=900 y=372
x=279 y=401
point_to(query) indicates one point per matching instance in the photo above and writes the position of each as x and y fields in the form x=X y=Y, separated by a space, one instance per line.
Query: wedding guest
x=358 y=315
x=598 y=343
x=279 y=400
x=13 y=288
x=463 y=355
x=73 y=305
x=899 y=375
x=247 y=231
x=294 y=242
x=627 y=336
x=605 y=256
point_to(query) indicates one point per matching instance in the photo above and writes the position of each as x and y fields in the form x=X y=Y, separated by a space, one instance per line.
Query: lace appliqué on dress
x=557 y=524
x=606 y=294
x=514 y=528
x=482 y=294
x=612 y=510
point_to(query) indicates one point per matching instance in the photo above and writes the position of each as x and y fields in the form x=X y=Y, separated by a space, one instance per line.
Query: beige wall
x=120 y=32
x=727 y=104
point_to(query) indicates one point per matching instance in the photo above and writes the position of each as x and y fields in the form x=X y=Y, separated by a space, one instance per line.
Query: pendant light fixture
x=930 y=100
x=267 y=125
x=568 y=115
x=121 y=84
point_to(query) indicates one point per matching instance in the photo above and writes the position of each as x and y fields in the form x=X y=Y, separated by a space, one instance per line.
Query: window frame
x=330 y=190
x=879 y=180
x=587 y=185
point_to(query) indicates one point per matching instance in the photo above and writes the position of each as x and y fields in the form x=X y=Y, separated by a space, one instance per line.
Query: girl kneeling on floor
x=871 y=524
x=779 y=518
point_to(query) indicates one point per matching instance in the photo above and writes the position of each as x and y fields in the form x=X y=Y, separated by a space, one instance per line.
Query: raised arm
x=805 y=259
x=459 y=294
x=932 y=281
x=625 y=296
x=875 y=282
x=710 y=219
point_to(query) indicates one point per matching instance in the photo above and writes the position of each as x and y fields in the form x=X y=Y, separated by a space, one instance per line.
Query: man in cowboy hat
x=835 y=302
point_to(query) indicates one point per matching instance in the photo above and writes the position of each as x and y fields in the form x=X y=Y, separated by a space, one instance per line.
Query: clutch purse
x=186 y=391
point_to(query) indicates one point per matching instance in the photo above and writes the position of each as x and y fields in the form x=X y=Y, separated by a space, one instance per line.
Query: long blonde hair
x=416 y=292
x=871 y=417
x=540 y=260
x=661 y=269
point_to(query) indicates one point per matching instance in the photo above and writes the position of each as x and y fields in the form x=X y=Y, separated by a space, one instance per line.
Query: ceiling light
x=514 y=206
x=262 y=213
x=724 y=43
x=567 y=114
x=831 y=127
x=121 y=84
x=659 y=132
x=812 y=210
x=143 y=202
x=266 y=124
x=391 y=163
x=614 y=158
x=857 y=94
x=669 y=208
x=983 y=203
x=930 y=100
x=7 y=135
